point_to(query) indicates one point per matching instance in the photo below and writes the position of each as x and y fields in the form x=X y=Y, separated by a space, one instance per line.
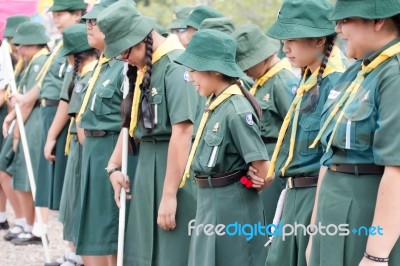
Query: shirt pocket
x=356 y=129
x=101 y=101
x=156 y=104
x=310 y=126
x=210 y=151
x=58 y=67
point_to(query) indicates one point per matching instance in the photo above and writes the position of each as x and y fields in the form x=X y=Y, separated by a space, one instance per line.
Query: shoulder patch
x=249 y=119
x=70 y=68
x=36 y=68
x=78 y=88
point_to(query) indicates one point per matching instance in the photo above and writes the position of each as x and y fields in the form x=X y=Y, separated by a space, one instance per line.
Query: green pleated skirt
x=7 y=155
x=3 y=114
x=71 y=187
x=146 y=244
x=291 y=250
x=33 y=130
x=50 y=175
x=95 y=228
x=346 y=199
x=228 y=205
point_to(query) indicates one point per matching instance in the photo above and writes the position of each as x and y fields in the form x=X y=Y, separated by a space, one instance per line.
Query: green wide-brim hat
x=211 y=50
x=12 y=24
x=303 y=19
x=223 y=24
x=67 y=5
x=179 y=17
x=367 y=9
x=253 y=46
x=74 y=40
x=123 y=27
x=30 y=33
x=200 y=13
x=99 y=6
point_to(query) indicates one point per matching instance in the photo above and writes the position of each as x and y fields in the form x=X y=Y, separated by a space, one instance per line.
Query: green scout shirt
x=65 y=86
x=306 y=162
x=53 y=81
x=103 y=111
x=173 y=100
x=231 y=139
x=369 y=131
x=77 y=96
x=275 y=98
x=28 y=75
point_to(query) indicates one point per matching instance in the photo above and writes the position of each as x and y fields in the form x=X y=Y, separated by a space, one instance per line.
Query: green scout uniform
x=367 y=134
x=228 y=142
x=172 y=101
x=50 y=175
x=299 y=202
x=75 y=41
x=29 y=33
x=274 y=97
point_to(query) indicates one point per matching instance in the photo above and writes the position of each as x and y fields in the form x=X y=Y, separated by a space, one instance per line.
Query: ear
x=379 y=24
x=321 y=41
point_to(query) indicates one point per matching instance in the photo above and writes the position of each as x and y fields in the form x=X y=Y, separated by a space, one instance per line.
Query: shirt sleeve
x=246 y=137
x=65 y=86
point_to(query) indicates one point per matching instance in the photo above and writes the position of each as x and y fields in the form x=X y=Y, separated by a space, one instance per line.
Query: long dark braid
x=126 y=105
x=253 y=101
x=145 y=86
x=314 y=93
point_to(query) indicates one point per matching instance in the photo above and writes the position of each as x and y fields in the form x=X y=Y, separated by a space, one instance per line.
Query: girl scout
x=227 y=141
x=256 y=56
x=163 y=114
x=32 y=40
x=308 y=44
x=84 y=58
x=360 y=135
x=95 y=228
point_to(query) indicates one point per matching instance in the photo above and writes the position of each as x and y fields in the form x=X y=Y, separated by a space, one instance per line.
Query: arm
x=387 y=216
x=178 y=153
x=257 y=172
x=27 y=101
x=61 y=118
x=7 y=122
x=322 y=172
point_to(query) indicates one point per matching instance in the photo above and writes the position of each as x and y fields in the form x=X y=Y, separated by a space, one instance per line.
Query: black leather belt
x=302 y=181
x=219 y=180
x=358 y=169
x=99 y=133
x=268 y=140
x=74 y=137
x=47 y=103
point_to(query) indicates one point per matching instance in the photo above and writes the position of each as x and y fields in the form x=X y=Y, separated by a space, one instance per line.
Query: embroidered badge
x=294 y=89
x=105 y=83
x=36 y=68
x=70 y=68
x=154 y=92
x=249 y=119
x=78 y=88
x=366 y=97
x=186 y=76
x=267 y=97
x=333 y=94
x=216 y=126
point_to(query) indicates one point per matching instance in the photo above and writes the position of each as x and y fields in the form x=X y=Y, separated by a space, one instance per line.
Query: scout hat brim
x=65 y=51
x=206 y=64
x=284 y=31
x=68 y=7
x=366 y=10
x=31 y=40
x=258 y=55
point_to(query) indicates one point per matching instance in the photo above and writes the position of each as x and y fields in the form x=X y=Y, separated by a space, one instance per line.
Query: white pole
x=124 y=170
x=8 y=65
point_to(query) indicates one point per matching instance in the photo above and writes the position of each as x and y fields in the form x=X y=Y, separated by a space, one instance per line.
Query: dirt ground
x=32 y=255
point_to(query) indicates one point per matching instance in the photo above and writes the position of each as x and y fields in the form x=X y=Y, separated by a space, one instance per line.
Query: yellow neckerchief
x=46 y=67
x=86 y=69
x=334 y=64
x=282 y=64
x=92 y=82
x=350 y=94
x=19 y=67
x=41 y=52
x=231 y=90
x=170 y=44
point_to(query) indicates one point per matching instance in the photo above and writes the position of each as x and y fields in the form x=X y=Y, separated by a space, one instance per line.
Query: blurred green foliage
x=260 y=12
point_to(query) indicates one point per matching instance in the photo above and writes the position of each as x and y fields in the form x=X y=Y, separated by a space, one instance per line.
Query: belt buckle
x=333 y=167
x=290 y=183
x=43 y=102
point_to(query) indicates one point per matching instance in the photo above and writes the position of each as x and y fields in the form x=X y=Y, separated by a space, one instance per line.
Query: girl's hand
x=166 y=212
x=368 y=262
x=118 y=181
x=48 y=150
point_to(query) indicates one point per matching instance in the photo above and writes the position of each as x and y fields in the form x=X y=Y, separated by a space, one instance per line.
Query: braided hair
x=145 y=86
x=396 y=21
x=314 y=93
x=78 y=58
x=126 y=105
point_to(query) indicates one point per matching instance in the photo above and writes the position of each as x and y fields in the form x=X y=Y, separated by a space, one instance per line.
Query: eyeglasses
x=124 y=55
x=92 y=22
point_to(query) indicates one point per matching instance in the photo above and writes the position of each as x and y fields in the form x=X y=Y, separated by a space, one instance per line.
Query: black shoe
x=27 y=239
x=10 y=235
x=4 y=225
x=58 y=262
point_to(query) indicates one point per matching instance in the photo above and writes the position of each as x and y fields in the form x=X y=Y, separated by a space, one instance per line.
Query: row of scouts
x=214 y=114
